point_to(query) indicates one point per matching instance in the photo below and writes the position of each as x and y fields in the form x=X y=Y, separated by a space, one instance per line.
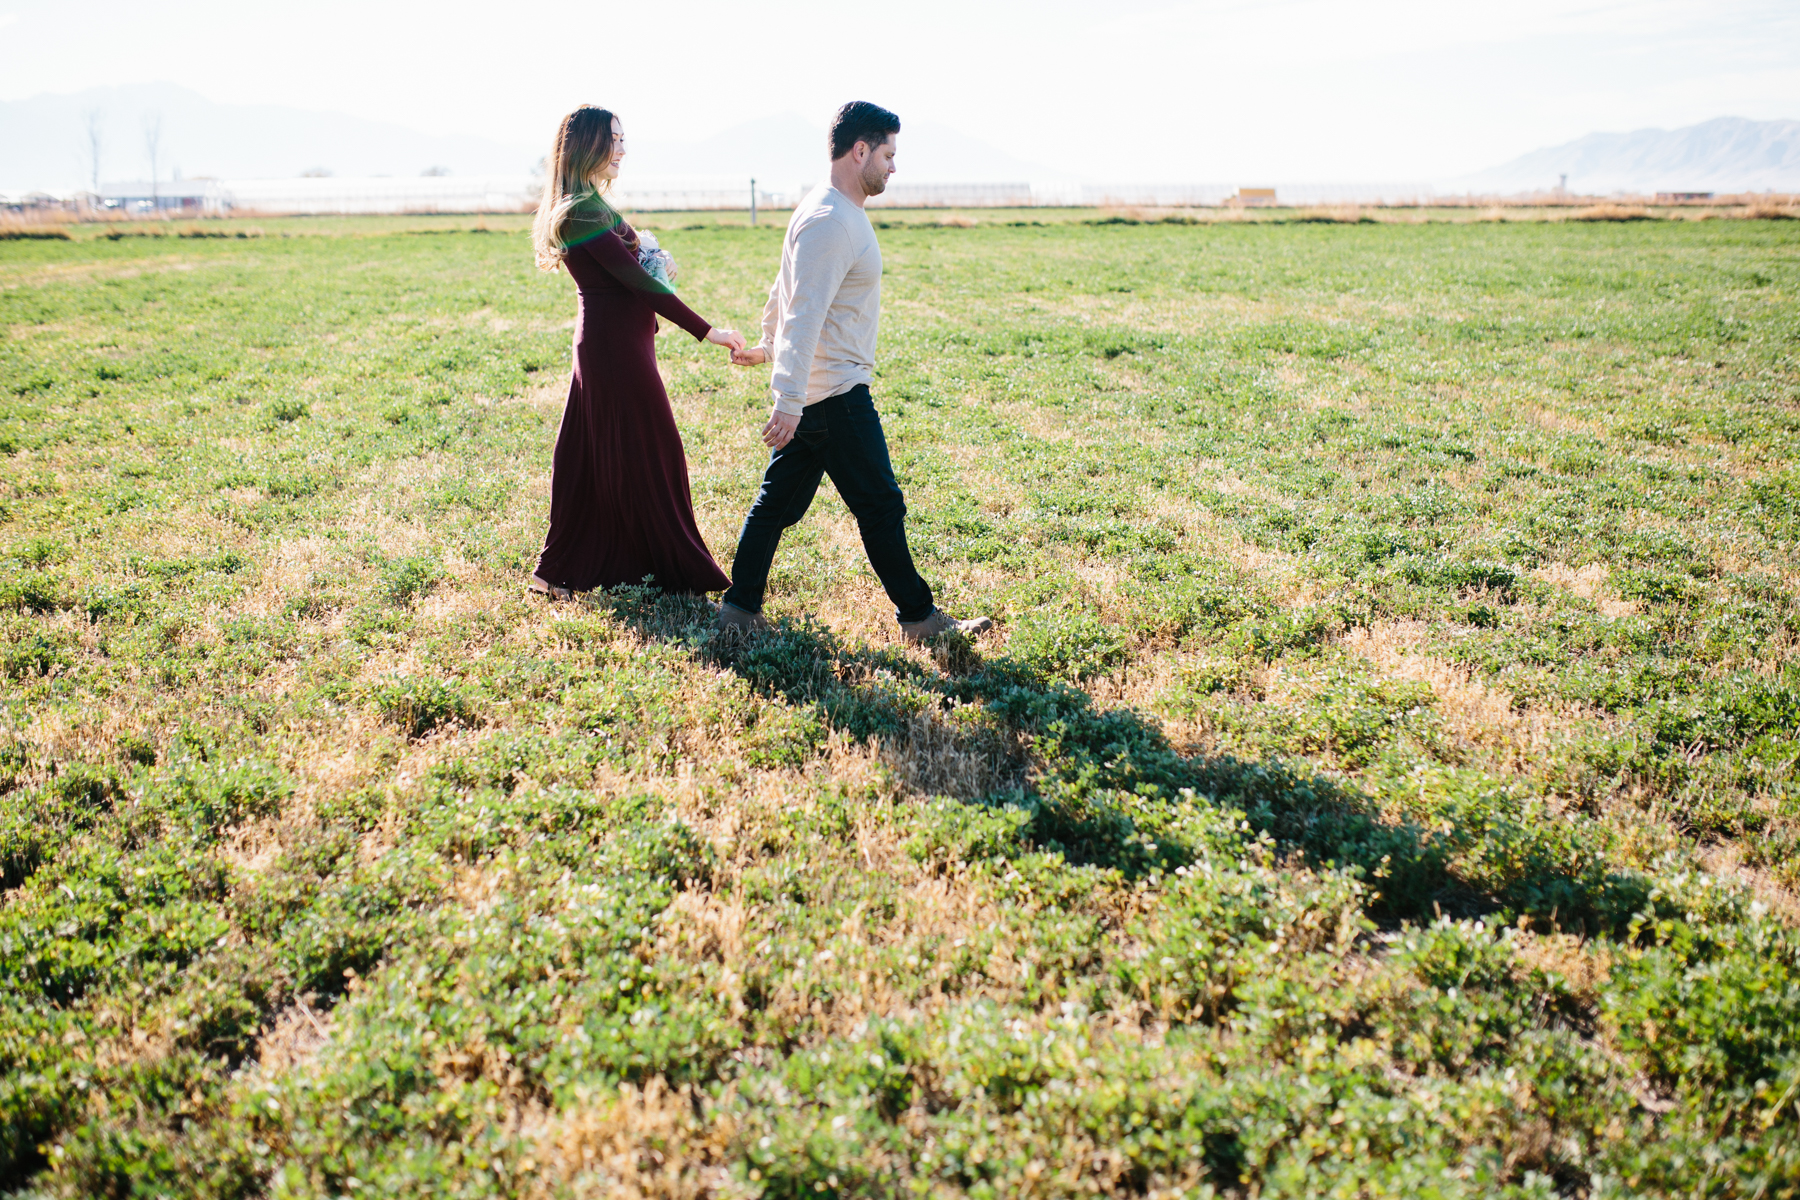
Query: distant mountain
x=779 y=151
x=43 y=145
x=1729 y=154
x=788 y=150
x=43 y=141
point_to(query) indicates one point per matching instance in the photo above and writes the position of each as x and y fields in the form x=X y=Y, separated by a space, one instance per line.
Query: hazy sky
x=1115 y=90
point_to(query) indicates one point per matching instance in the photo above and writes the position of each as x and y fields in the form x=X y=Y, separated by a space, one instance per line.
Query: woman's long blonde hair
x=584 y=144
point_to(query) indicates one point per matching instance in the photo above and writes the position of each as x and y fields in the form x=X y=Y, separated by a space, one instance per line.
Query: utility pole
x=753 y=201
x=153 y=145
x=91 y=119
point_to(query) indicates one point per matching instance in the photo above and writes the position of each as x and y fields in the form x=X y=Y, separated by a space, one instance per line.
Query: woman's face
x=611 y=168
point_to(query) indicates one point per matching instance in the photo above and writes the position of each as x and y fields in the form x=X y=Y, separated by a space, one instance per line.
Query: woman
x=620 y=509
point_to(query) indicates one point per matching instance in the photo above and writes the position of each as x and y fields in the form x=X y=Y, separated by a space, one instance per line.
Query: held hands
x=780 y=429
x=729 y=338
x=755 y=356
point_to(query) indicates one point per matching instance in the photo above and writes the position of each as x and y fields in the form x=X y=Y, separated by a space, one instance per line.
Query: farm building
x=414 y=194
x=176 y=197
x=35 y=203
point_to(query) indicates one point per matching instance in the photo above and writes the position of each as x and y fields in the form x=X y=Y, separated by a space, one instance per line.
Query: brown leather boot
x=940 y=622
x=733 y=617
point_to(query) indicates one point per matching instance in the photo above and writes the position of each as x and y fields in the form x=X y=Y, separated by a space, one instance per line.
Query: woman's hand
x=731 y=339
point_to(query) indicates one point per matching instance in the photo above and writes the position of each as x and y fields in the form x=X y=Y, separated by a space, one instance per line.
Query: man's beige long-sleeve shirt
x=820 y=322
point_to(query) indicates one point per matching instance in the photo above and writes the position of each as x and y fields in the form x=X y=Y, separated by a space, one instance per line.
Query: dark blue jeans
x=839 y=436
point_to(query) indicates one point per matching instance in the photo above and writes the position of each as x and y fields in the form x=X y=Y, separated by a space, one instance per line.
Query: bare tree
x=92 y=119
x=153 y=147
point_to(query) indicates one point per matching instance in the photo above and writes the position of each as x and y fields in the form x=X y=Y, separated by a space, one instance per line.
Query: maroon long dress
x=620 y=508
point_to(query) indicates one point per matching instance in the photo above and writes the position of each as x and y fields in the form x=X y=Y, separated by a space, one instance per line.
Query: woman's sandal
x=549 y=590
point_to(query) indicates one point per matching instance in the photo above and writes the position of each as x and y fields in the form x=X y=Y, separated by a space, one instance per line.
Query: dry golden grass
x=649 y=1143
x=933 y=758
x=548 y=396
x=1725 y=859
x=1776 y=208
x=1612 y=212
x=1485 y=719
x=1338 y=214
x=1589 y=583
x=1582 y=964
x=292 y=1041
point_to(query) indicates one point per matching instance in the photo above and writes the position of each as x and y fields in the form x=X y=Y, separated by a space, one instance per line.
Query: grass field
x=1382 y=780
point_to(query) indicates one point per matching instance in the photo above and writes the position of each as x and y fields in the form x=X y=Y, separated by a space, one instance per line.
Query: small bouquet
x=657 y=262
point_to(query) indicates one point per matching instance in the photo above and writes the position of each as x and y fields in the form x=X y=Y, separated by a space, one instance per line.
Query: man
x=819 y=331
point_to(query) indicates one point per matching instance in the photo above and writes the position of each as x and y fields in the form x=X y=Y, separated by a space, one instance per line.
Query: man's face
x=878 y=166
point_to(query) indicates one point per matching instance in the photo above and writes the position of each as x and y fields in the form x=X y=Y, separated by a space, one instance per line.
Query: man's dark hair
x=860 y=121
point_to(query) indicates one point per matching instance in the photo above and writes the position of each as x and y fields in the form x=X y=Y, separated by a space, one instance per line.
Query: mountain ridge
x=1725 y=154
x=43 y=142
x=787 y=150
x=43 y=146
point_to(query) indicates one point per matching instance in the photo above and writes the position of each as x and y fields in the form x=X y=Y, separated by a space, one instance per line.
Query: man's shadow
x=993 y=731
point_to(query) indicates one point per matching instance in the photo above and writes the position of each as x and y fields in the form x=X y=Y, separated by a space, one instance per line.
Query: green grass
x=1382 y=782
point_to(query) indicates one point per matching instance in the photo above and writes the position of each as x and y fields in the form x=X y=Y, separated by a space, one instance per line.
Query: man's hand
x=755 y=356
x=780 y=429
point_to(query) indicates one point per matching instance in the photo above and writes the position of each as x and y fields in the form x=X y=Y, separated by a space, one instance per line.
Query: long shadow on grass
x=1083 y=773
